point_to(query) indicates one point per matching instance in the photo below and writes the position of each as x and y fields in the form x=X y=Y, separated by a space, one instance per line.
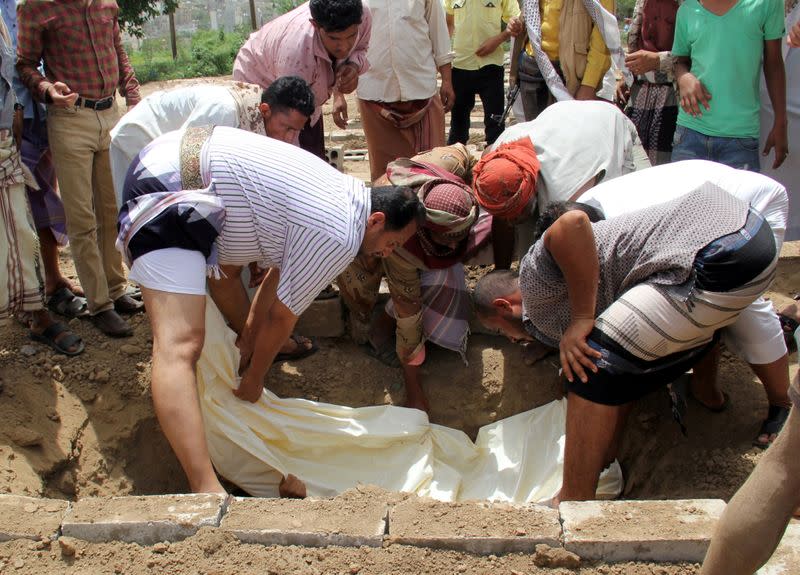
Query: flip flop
x=50 y=337
x=300 y=352
x=776 y=417
x=65 y=303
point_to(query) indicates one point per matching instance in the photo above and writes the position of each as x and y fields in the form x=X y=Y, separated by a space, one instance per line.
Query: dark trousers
x=533 y=89
x=312 y=138
x=486 y=82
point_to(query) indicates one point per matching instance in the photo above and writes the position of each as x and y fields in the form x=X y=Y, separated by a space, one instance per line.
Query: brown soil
x=79 y=427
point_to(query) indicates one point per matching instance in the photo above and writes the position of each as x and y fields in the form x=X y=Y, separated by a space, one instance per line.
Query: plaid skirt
x=653 y=109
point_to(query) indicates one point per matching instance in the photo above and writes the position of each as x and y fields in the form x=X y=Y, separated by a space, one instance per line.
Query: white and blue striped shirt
x=284 y=208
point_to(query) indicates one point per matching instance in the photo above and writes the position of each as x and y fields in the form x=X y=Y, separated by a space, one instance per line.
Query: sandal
x=68 y=339
x=772 y=425
x=67 y=304
x=329 y=292
x=300 y=351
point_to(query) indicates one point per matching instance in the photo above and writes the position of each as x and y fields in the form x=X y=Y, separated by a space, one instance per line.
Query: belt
x=99 y=105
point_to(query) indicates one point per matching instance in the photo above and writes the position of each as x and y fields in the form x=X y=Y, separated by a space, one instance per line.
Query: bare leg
x=178 y=323
x=705 y=381
x=53 y=279
x=591 y=428
x=754 y=521
x=775 y=378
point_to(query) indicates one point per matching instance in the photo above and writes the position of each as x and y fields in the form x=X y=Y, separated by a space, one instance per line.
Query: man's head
x=498 y=304
x=336 y=22
x=555 y=210
x=504 y=181
x=451 y=212
x=396 y=214
x=286 y=106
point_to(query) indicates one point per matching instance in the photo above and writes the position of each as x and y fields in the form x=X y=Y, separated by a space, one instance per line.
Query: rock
x=102 y=376
x=547 y=556
x=130 y=349
x=57 y=373
x=68 y=546
x=31 y=507
x=354 y=569
x=19 y=564
x=160 y=547
x=29 y=350
x=26 y=437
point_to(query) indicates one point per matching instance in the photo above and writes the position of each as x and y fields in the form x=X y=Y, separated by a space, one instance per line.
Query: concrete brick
x=640 y=530
x=323 y=318
x=30 y=518
x=143 y=520
x=786 y=559
x=473 y=527
x=344 y=521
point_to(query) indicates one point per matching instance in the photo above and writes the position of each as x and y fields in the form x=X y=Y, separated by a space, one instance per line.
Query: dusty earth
x=80 y=427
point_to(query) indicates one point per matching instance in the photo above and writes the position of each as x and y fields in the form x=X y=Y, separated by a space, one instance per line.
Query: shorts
x=173 y=270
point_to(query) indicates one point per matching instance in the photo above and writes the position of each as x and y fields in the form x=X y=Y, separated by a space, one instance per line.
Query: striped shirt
x=286 y=209
x=81 y=46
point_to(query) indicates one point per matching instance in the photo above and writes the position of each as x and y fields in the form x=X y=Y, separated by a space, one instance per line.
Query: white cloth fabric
x=789 y=172
x=410 y=42
x=163 y=112
x=172 y=270
x=575 y=141
x=334 y=448
x=286 y=209
x=756 y=336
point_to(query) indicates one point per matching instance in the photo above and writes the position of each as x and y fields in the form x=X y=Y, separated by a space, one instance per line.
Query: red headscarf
x=504 y=181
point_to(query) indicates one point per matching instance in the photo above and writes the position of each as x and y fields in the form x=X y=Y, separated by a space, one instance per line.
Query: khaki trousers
x=79 y=141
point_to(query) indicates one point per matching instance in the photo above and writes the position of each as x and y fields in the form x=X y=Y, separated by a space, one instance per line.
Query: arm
x=451 y=24
x=775 y=76
x=30 y=46
x=128 y=84
x=570 y=241
x=598 y=61
x=693 y=94
x=358 y=55
x=442 y=54
x=268 y=326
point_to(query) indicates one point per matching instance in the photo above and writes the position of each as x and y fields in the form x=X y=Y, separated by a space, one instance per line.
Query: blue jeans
x=741 y=153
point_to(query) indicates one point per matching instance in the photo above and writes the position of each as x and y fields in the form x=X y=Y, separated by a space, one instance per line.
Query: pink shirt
x=290 y=46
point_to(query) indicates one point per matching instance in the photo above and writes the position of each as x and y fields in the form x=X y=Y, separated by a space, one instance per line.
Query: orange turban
x=504 y=181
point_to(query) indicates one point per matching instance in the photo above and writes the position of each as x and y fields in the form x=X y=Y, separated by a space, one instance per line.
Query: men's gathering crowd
x=633 y=274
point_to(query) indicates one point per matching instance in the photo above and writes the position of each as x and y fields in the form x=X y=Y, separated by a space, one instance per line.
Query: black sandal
x=65 y=303
x=772 y=425
x=50 y=337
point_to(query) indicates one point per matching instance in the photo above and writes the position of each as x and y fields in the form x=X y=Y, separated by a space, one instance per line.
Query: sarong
x=46 y=205
x=653 y=108
x=653 y=332
x=20 y=282
x=400 y=130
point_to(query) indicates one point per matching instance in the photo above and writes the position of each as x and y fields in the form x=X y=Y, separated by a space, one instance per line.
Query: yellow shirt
x=476 y=21
x=598 y=60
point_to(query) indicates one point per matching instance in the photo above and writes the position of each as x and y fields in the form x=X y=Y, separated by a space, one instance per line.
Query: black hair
x=493 y=285
x=289 y=93
x=399 y=204
x=555 y=210
x=336 y=15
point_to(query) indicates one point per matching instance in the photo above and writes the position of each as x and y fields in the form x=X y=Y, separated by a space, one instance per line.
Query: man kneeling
x=631 y=303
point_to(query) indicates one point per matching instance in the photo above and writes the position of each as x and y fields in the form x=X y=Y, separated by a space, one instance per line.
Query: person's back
x=719 y=46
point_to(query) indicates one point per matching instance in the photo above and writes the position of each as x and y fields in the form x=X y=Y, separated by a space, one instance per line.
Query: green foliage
x=284 y=6
x=134 y=13
x=625 y=8
x=206 y=53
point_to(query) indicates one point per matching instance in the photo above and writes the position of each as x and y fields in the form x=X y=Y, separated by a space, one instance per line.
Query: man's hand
x=693 y=95
x=576 y=355
x=447 y=95
x=346 y=78
x=642 y=61
x=778 y=138
x=339 y=110
x=621 y=93
x=488 y=46
x=794 y=36
x=17 y=127
x=515 y=27
x=250 y=387
x=61 y=95
x=586 y=93
x=246 y=344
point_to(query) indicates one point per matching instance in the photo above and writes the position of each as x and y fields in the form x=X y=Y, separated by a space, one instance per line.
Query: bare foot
x=709 y=396
x=62 y=282
x=211 y=486
x=292 y=487
x=291 y=345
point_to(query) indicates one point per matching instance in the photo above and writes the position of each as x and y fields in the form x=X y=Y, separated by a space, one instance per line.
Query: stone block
x=143 y=520
x=30 y=518
x=677 y=530
x=323 y=318
x=786 y=559
x=473 y=527
x=345 y=521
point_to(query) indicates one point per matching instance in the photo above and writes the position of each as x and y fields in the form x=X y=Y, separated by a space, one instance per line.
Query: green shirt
x=726 y=53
